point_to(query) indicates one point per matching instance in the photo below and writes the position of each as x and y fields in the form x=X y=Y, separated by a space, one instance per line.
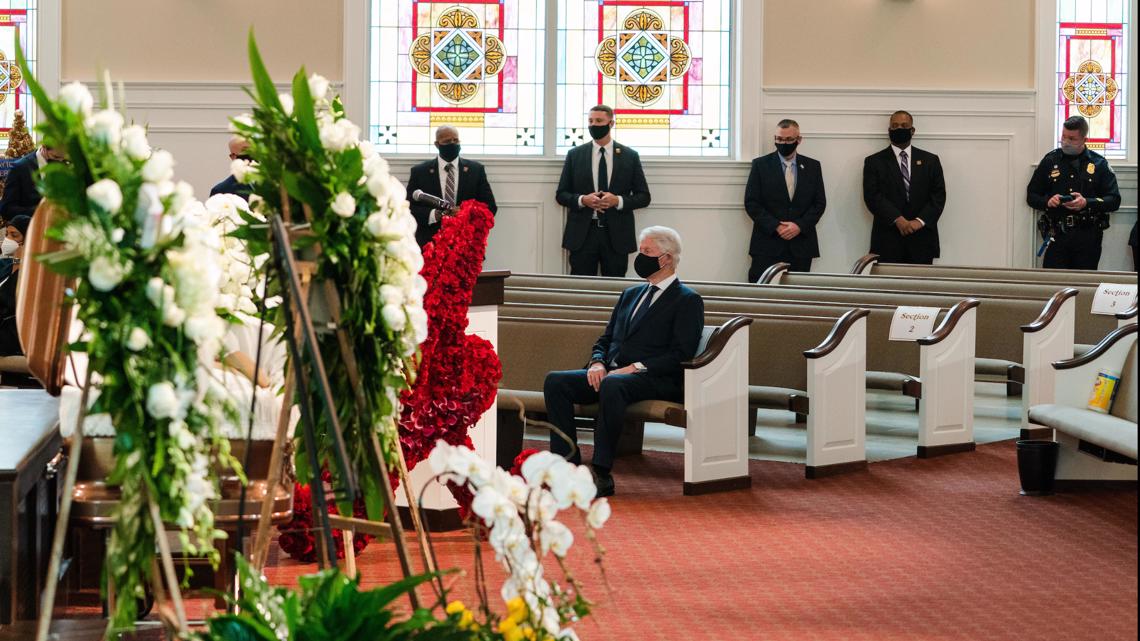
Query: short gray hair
x=667 y=239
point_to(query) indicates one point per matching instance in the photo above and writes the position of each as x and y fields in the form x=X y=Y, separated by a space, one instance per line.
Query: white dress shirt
x=41 y=159
x=909 y=165
x=434 y=216
x=594 y=158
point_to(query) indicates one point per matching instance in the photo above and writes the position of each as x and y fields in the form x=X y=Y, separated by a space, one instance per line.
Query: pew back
x=1059 y=277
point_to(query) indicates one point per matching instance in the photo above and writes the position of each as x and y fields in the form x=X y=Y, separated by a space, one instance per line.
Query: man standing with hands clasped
x=1076 y=189
x=449 y=177
x=905 y=191
x=602 y=184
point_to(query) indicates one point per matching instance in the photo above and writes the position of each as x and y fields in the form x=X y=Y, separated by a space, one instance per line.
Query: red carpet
x=909 y=549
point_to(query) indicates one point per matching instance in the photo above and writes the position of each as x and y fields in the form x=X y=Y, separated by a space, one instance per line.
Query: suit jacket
x=767 y=203
x=664 y=337
x=472 y=185
x=886 y=197
x=627 y=180
x=231 y=186
x=20 y=194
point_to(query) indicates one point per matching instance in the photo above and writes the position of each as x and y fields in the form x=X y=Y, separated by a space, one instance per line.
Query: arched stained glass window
x=665 y=66
x=475 y=64
x=17 y=30
x=1093 y=75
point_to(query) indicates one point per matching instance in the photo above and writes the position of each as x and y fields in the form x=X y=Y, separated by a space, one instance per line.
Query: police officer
x=1076 y=190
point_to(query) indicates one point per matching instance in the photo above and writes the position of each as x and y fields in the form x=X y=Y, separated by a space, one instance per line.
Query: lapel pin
x=801 y=166
x=617 y=150
x=918 y=162
x=465 y=169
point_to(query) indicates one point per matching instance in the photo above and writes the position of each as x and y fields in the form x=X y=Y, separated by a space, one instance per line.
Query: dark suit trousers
x=762 y=262
x=598 y=252
x=617 y=392
x=1077 y=248
x=907 y=253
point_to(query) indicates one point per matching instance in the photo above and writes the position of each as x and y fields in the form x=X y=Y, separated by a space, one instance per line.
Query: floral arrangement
x=458 y=372
x=520 y=514
x=146 y=290
x=296 y=538
x=308 y=156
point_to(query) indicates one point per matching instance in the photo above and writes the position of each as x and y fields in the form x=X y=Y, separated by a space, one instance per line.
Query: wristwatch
x=639 y=367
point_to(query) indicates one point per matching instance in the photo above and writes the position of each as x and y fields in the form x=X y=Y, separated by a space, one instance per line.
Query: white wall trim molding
x=49 y=49
x=792 y=101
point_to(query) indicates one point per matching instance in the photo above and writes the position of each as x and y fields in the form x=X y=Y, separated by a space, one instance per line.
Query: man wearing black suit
x=238 y=148
x=449 y=177
x=905 y=191
x=785 y=199
x=20 y=194
x=652 y=330
x=602 y=184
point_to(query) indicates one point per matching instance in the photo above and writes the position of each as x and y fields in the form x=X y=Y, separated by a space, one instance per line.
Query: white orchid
x=599 y=513
x=243 y=170
x=286 y=103
x=556 y=538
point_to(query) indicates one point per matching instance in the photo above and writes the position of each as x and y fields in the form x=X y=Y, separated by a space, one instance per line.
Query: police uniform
x=1073 y=238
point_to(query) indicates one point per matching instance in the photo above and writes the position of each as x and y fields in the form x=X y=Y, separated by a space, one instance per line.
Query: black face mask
x=448 y=152
x=646 y=266
x=787 y=148
x=597 y=132
x=900 y=137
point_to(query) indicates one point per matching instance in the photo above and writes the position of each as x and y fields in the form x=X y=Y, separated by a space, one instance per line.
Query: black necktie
x=646 y=301
x=603 y=171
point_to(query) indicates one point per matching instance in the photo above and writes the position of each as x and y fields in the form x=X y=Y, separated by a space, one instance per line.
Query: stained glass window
x=475 y=64
x=17 y=29
x=664 y=66
x=1093 y=37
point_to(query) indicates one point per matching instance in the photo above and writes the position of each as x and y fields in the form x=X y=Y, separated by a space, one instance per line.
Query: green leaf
x=304 y=189
x=46 y=105
x=303 y=112
x=266 y=91
x=349 y=167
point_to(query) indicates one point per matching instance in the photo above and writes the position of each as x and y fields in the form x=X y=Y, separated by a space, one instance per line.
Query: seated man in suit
x=449 y=177
x=905 y=191
x=785 y=199
x=20 y=194
x=652 y=330
x=602 y=184
x=238 y=148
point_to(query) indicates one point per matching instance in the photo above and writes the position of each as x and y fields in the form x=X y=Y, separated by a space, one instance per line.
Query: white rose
x=318 y=86
x=173 y=315
x=339 y=135
x=138 y=340
x=344 y=205
x=243 y=170
x=76 y=98
x=181 y=435
x=149 y=201
x=239 y=122
x=162 y=400
x=183 y=196
x=106 y=126
x=378 y=186
x=135 y=143
x=155 y=289
x=394 y=317
x=286 y=103
x=117 y=235
x=159 y=167
x=391 y=295
x=599 y=513
x=367 y=149
x=419 y=320
x=396 y=190
x=106 y=195
x=373 y=164
x=105 y=274
x=202 y=328
x=376 y=224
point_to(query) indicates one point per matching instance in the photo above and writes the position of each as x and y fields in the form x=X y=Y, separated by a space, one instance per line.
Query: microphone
x=435 y=201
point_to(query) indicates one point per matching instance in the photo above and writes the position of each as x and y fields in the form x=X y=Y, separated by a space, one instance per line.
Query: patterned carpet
x=909 y=549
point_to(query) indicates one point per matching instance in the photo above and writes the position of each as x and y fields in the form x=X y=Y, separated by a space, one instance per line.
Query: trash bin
x=1036 y=462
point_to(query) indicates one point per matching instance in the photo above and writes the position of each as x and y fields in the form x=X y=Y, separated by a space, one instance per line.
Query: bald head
x=238 y=147
x=446 y=135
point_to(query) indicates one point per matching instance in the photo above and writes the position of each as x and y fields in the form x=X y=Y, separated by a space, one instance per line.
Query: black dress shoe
x=605 y=484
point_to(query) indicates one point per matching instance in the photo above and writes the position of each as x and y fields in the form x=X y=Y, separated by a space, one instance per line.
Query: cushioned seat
x=14 y=364
x=652 y=411
x=887 y=380
x=775 y=398
x=993 y=367
x=1104 y=430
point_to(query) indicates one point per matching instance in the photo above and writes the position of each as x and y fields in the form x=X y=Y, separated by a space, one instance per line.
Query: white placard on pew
x=1111 y=299
x=912 y=323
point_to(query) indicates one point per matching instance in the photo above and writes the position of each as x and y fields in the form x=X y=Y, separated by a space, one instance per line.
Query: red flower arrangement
x=458 y=373
x=455 y=382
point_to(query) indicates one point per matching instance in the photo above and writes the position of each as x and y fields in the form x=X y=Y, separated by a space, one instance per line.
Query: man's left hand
x=1077 y=203
x=628 y=369
x=788 y=230
x=609 y=201
x=915 y=225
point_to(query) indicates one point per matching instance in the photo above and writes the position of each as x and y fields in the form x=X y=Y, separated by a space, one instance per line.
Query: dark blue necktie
x=646 y=301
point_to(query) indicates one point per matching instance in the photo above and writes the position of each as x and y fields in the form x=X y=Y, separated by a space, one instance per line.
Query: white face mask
x=8 y=247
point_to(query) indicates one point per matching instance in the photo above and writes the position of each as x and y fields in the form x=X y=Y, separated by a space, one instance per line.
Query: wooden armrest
x=772 y=272
x=1128 y=314
x=837 y=334
x=864 y=262
x=718 y=342
x=1052 y=308
x=949 y=322
x=1103 y=346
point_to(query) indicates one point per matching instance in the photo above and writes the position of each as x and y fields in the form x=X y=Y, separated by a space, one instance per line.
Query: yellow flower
x=514 y=634
x=507 y=625
x=517 y=610
x=455 y=607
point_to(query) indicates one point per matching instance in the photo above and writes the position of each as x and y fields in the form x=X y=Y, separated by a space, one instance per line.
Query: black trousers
x=762 y=262
x=1078 y=248
x=598 y=252
x=563 y=390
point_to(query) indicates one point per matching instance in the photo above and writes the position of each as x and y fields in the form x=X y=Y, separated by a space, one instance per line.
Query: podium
x=441 y=512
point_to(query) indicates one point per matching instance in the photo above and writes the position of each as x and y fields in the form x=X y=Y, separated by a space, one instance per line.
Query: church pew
x=940 y=359
x=869 y=265
x=714 y=412
x=1045 y=324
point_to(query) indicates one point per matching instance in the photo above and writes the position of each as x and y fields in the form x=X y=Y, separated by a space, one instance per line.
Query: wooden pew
x=1045 y=325
x=715 y=407
x=869 y=265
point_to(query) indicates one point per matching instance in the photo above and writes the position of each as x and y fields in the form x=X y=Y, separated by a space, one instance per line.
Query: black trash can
x=1036 y=463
